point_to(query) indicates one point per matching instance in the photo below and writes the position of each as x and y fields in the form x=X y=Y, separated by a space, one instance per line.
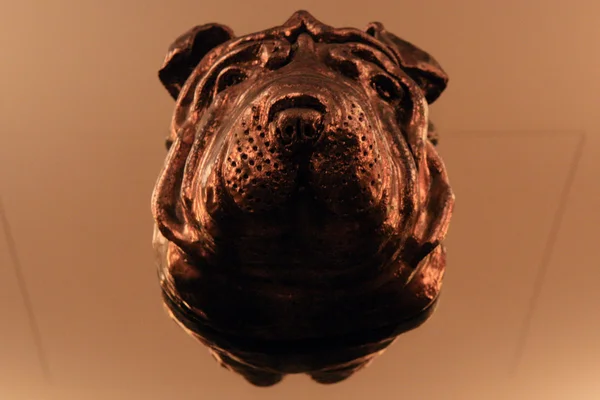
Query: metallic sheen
x=302 y=206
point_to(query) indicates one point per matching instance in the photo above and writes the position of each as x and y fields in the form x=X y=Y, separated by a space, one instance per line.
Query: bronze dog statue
x=302 y=207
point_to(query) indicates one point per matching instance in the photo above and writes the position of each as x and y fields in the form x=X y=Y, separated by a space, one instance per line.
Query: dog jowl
x=301 y=211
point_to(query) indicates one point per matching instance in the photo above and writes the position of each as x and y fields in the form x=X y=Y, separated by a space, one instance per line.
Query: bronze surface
x=302 y=207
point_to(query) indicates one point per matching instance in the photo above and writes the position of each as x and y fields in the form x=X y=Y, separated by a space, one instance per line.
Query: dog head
x=303 y=156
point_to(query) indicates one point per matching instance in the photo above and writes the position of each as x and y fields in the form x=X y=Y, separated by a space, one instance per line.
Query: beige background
x=83 y=118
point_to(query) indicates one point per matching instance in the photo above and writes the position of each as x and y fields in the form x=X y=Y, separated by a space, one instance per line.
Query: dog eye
x=386 y=88
x=346 y=68
x=230 y=77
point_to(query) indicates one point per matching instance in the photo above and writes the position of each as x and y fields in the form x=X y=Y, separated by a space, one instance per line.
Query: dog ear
x=418 y=64
x=187 y=51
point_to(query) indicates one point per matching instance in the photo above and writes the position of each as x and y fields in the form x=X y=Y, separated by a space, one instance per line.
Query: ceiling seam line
x=41 y=354
x=547 y=254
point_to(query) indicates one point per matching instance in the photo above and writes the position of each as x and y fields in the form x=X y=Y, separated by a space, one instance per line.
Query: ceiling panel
x=562 y=358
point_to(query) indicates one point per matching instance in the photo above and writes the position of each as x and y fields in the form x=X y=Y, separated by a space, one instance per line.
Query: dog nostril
x=289 y=130
x=309 y=131
x=298 y=124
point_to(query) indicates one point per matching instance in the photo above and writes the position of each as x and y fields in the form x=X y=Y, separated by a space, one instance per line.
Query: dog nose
x=298 y=125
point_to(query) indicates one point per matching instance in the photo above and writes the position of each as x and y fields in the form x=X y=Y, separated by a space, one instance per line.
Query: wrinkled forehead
x=301 y=23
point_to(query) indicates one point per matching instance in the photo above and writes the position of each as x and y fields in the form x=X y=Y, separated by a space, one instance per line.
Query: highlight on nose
x=298 y=125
